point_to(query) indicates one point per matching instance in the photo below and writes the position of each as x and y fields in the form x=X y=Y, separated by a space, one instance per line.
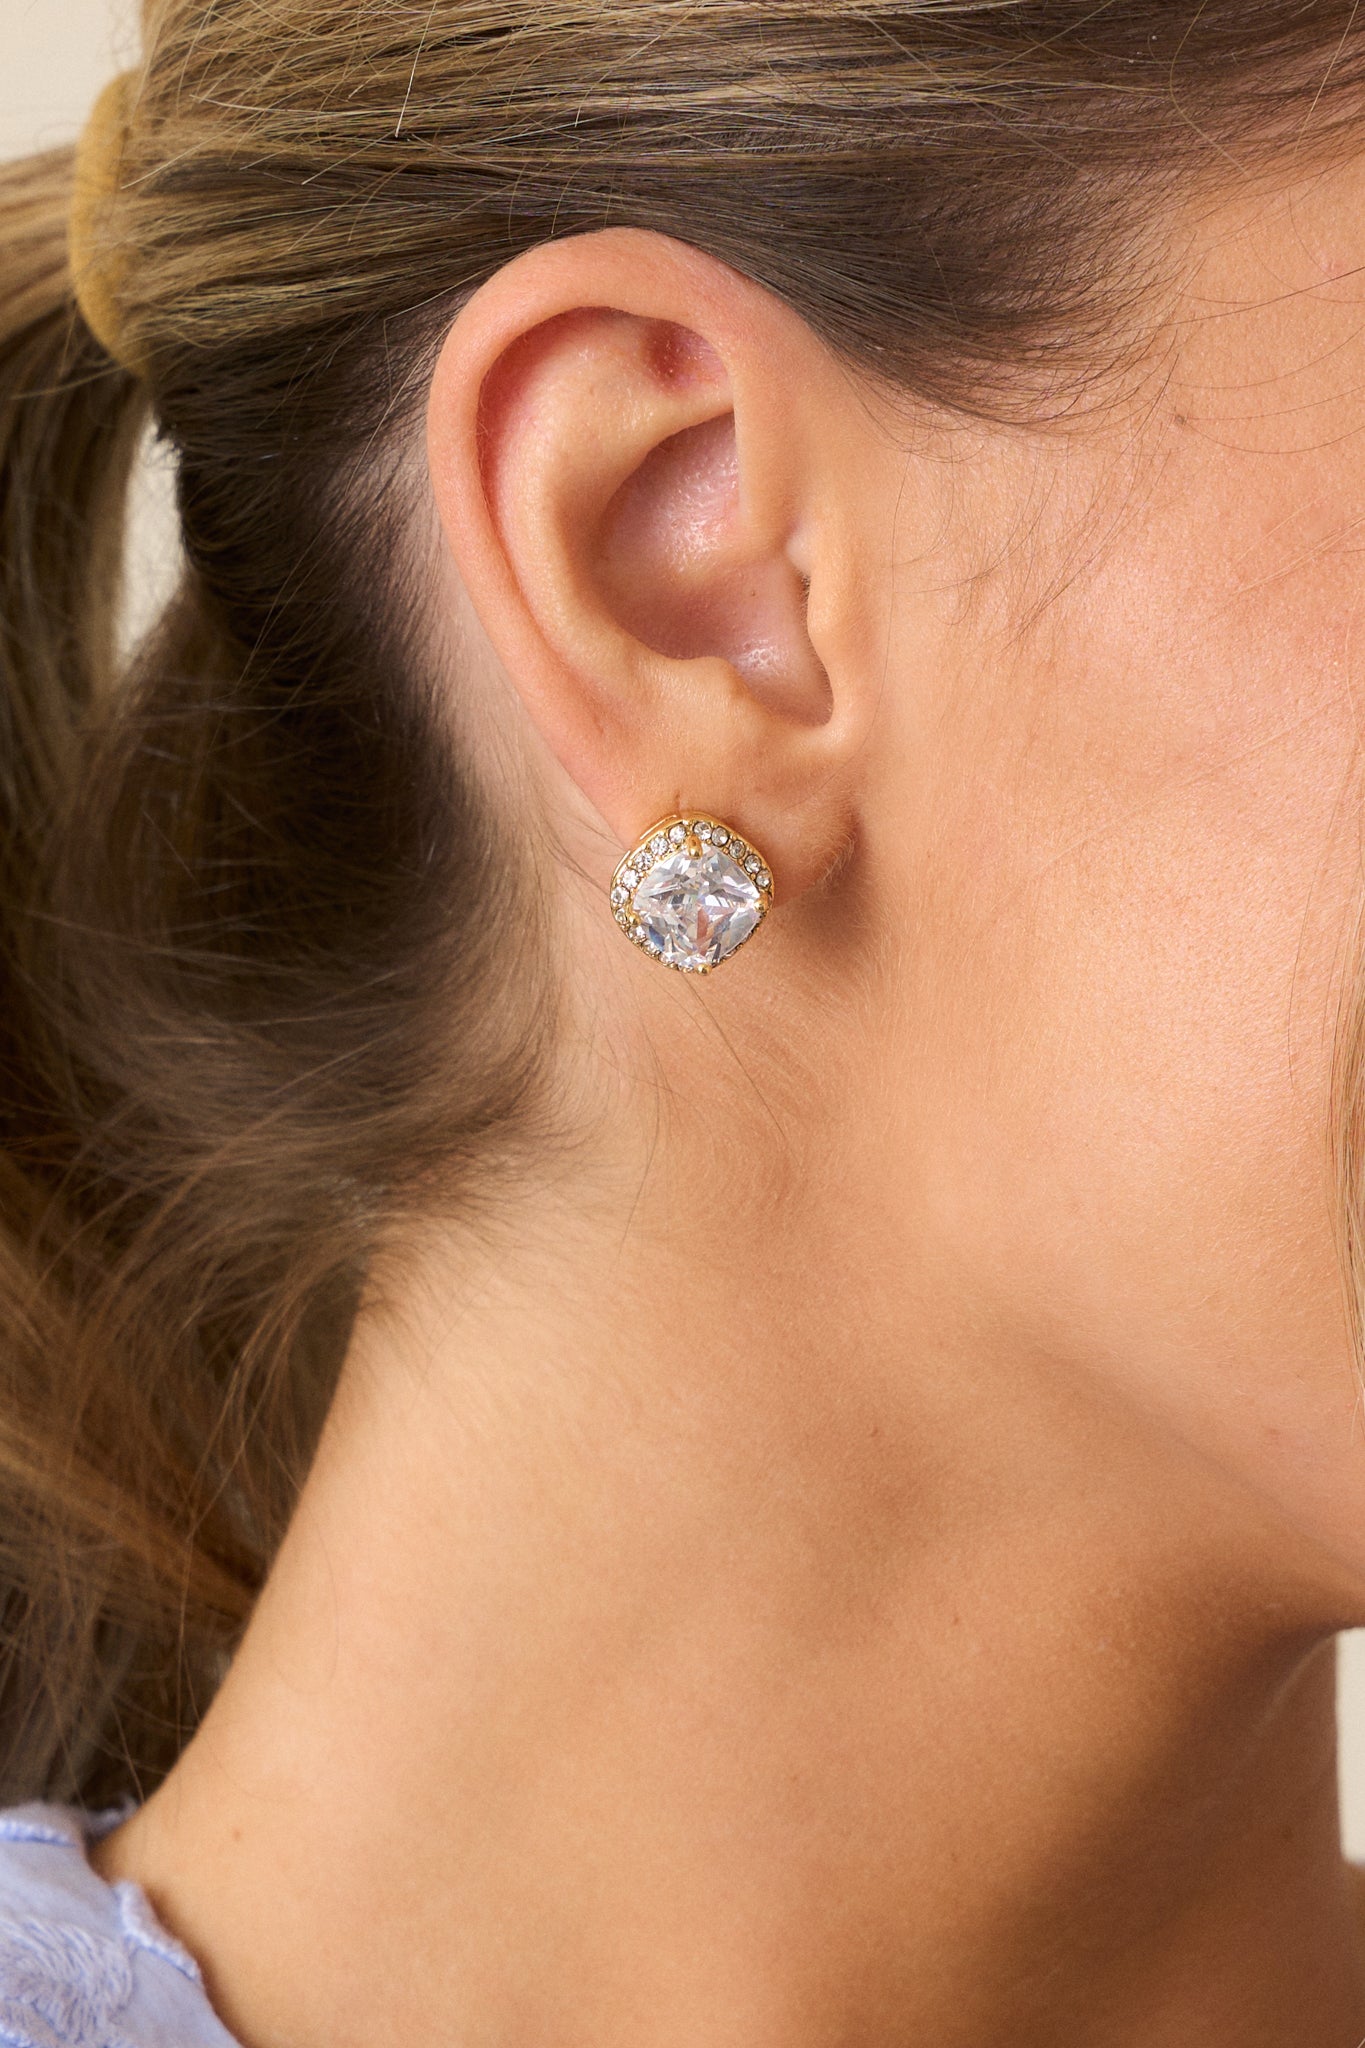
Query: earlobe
x=614 y=463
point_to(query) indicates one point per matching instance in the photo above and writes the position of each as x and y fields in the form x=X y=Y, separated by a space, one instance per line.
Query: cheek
x=1141 y=904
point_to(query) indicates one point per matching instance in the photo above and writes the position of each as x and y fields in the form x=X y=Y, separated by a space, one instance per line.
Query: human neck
x=752 y=1664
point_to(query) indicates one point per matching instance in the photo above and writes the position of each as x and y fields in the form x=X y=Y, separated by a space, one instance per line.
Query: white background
x=54 y=56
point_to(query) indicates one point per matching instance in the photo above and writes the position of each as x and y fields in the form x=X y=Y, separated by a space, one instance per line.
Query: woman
x=803 y=1501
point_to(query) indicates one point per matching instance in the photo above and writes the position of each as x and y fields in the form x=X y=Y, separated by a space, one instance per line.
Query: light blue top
x=85 y=1964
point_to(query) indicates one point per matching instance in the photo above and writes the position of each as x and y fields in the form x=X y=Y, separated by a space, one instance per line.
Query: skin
x=846 y=1554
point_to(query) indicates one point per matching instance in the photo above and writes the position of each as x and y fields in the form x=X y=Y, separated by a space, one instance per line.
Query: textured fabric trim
x=61 y=1987
x=26 y=1824
x=142 y=1930
x=64 y=1984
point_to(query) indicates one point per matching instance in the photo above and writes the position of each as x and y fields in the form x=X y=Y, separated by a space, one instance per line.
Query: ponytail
x=241 y=1016
x=102 y=1592
x=69 y=422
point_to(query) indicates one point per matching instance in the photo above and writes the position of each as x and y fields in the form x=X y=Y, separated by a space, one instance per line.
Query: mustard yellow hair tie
x=98 y=272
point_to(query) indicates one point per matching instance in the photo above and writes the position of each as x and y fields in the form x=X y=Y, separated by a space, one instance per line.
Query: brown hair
x=248 y=1017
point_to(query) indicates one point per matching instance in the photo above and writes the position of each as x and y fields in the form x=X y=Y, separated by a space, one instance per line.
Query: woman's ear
x=627 y=449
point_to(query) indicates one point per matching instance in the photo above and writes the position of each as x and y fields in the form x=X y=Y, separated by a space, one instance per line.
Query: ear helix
x=691 y=891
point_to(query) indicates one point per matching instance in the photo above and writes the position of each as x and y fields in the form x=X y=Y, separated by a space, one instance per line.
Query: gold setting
x=689 y=832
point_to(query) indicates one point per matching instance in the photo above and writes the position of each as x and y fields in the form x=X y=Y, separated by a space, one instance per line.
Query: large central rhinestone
x=695 y=908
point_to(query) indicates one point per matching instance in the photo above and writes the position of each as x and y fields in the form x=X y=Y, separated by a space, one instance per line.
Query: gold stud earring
x=691 y=891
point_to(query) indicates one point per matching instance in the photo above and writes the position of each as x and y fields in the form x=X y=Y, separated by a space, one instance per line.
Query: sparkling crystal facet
x=694 y=909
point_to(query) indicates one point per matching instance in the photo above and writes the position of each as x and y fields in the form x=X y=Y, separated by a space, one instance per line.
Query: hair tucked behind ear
x=249 y=1017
